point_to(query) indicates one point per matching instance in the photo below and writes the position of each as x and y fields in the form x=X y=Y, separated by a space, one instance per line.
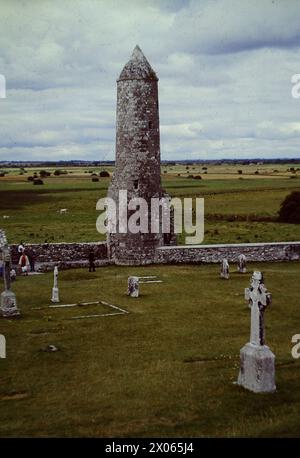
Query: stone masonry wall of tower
x=137 y=142
x=137 y=155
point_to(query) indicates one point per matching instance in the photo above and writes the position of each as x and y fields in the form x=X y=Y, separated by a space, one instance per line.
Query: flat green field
x=166 y=369
x=238 y=207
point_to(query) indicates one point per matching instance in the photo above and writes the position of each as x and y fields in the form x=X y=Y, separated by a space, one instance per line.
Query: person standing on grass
x=92 y=261
x=31 y=257
x=24 y=264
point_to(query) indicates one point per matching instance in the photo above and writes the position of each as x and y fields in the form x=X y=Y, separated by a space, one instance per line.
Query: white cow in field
x=6 y=216
x=63 y=211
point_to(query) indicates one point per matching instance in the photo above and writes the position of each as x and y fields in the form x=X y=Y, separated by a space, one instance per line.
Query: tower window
x=136 y=184
x=150 y=124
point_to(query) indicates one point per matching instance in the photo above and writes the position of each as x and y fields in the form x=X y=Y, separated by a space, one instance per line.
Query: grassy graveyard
x=166 y=369
x=239 y=208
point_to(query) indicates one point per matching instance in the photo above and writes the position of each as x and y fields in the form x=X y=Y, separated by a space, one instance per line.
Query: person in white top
x=21 y=248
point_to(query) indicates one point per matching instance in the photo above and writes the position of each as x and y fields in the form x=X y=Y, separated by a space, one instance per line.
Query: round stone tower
x=137 y=168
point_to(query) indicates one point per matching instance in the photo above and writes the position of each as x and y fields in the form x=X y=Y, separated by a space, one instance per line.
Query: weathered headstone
x=224 y=273
x=2 y=347
x=133 y=287
x=13 y=274
x=242 y=268
x=8 y=307
x=257 y=366
x=55 y=291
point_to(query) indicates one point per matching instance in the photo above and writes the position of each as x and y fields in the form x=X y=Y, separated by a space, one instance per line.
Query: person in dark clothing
x=92 y=262
x=31 y=256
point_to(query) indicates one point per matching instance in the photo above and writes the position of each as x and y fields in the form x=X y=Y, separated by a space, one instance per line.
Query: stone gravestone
x=8 y=307
x=242 y=264
x=224 y=273
x=55 y=291
x=257 y=366
x=133 y=287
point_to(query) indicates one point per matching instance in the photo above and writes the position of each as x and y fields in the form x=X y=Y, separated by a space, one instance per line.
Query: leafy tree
x=104 y=174
x=290 y=209
x=44 y=174
x=60 y=172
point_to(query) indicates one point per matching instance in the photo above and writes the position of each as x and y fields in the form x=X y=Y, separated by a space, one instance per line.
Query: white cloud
x=225 y=72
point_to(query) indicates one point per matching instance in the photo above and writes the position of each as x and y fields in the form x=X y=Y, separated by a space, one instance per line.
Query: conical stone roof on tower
x=138 y=67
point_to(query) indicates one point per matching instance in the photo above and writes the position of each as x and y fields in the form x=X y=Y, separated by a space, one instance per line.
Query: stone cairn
x=224 y=273
x=8 y=307
x=242 y=268
x=55 y=291
x=257 y=365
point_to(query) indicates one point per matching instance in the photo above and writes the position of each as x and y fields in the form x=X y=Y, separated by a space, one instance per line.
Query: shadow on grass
x=15 y=200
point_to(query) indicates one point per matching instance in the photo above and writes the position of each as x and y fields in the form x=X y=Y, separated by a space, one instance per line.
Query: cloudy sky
x=225 y=69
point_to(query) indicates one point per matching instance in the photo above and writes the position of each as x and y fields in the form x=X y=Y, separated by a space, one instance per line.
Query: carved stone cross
x=259 y=298
x=257 y=366
x=6 y=268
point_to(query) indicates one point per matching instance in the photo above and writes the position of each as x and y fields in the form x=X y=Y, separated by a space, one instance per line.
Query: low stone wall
x=64 y=255
x=72 y=255
x=189 y=254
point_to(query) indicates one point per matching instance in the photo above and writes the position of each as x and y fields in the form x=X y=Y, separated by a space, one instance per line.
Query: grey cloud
x=224 y=69
x=231 y=26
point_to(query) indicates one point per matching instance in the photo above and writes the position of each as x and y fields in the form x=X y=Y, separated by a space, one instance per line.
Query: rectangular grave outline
x=119 y=311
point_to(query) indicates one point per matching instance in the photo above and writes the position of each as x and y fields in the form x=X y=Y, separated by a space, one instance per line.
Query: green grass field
x=166 y=369
x=238 y=208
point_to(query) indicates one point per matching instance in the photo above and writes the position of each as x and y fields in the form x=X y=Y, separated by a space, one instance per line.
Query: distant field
x=239 y=207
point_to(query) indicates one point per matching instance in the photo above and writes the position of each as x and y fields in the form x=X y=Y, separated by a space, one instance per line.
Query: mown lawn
x=165 y=369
